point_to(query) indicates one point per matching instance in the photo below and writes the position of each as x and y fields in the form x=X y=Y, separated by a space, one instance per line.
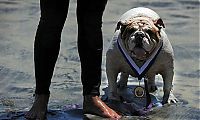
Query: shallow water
x=18 y=23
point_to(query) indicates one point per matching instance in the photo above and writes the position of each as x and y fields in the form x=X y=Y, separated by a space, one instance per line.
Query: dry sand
x=18 y=23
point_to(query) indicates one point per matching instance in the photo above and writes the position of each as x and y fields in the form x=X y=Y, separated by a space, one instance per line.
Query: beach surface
x=18 y=24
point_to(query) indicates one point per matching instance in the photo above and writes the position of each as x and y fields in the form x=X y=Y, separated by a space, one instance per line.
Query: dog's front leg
x=112 y=70
x=122 y=83
x=168 y=97
x=112 y=84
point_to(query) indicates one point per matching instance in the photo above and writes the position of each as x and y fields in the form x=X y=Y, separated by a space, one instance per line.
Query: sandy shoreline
x=18 y=22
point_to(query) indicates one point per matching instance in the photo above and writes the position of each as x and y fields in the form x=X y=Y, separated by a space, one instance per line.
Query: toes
x=170 y=101
x=113 y=115
x=94 y=105
x=116 y=117
x=174 y=100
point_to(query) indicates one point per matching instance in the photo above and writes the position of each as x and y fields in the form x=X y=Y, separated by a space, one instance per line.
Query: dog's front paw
x=171 y=99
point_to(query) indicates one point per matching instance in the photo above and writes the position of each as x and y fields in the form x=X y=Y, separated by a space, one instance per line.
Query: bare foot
x=39 y=108
x=94 y=105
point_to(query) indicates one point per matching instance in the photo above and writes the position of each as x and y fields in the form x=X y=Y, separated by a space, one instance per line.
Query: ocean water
x=18 y=23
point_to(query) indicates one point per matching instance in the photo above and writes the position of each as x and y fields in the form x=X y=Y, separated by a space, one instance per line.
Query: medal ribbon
x=140 y=71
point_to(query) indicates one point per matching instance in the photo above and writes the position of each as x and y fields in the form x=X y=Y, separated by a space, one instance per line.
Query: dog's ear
x=119 y=24
x=160 y=24
x=122 y=27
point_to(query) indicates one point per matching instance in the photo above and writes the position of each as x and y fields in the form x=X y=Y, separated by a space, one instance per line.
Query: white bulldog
x=138 y=41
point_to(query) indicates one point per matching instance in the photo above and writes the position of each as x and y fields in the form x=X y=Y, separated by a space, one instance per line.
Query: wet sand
x=18 y=23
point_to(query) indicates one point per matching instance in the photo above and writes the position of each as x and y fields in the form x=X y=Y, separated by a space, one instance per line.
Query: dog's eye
x=132 y=30
x=149 y=32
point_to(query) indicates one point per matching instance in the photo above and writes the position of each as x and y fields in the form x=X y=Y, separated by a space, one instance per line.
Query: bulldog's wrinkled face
x=140 y=37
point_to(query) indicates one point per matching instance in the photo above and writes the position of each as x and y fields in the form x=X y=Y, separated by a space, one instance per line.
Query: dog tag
x=139 y=91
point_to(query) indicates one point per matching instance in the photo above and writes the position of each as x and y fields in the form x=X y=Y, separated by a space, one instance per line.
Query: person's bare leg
x=39 y=108
x=94 y=105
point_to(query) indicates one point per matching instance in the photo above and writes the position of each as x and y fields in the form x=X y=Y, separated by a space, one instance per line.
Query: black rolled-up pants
x=90 y=43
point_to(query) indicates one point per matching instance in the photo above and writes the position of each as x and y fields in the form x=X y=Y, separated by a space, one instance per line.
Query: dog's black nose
x=139 y=37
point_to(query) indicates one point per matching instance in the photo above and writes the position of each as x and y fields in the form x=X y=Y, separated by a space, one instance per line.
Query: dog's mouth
x=141 y=44
x=139 y=53
x=140 y=38
x=136 y=45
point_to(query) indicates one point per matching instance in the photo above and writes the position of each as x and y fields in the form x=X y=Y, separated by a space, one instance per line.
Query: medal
x=139 y=91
